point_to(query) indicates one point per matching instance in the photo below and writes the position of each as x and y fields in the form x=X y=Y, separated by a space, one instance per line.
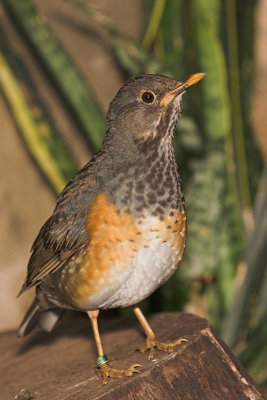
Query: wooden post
x=61 y=365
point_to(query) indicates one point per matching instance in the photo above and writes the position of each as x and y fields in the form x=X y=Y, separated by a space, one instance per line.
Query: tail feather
x=30 y=320
x=49 y=319
x=40 y=318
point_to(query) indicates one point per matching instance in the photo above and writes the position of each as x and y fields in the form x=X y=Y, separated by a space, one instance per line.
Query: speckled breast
x=126 y=259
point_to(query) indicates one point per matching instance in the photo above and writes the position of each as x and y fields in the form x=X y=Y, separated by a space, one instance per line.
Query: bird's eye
x=148 y=97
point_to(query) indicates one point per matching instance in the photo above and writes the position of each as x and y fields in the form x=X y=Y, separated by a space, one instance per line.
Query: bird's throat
x=150 y=186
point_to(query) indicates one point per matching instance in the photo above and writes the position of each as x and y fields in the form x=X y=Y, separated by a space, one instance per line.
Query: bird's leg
x=104 y=370
x=151 y=341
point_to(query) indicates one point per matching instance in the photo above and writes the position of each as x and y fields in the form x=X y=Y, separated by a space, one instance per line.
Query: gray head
x=149 y=105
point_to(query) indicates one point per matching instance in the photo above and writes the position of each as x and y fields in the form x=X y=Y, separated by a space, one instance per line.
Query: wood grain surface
x=61 y=365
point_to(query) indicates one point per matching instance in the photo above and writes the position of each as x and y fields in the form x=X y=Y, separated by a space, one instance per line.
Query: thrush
x=118 y=230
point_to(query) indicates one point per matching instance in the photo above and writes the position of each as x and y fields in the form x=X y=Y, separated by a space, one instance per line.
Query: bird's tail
x=40 y=318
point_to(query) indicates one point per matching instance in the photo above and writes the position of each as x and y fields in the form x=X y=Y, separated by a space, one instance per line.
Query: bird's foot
x=152 y=343
x=105 y=372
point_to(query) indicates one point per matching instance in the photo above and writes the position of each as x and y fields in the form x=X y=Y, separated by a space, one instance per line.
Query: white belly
x=126 y=269
x=151 y=267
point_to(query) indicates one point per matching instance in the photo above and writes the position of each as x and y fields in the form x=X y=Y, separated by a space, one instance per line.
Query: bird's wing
x=64 y=234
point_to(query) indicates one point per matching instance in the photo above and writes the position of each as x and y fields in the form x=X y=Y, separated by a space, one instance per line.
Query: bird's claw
x=105 y=372
x=152 y=343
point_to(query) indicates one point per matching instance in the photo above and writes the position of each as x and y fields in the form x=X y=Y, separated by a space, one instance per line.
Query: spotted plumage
x=118 y=230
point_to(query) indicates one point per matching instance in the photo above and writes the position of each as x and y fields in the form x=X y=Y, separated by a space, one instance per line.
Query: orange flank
x=115 y=239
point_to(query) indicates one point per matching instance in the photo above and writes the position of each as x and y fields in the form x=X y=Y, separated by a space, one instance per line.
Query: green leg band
x=101 y=360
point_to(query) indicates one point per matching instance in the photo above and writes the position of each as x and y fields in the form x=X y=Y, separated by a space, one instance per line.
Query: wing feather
x=64 y=233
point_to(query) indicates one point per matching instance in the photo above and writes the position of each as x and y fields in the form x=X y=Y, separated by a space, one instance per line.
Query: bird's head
x=149 y=106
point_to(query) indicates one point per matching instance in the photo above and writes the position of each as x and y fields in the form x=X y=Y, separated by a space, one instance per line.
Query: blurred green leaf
x=246 y=22
x=169 y=47
x=249 y=305
x=154 y=23
x=36 y=132
x=50 y=138
x=61 y=69
x=132 y=59
x=211 y=195
x=214 y=110
x=237 y=122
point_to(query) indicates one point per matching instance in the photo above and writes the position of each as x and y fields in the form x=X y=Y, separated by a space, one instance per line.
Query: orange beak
x=183 y=84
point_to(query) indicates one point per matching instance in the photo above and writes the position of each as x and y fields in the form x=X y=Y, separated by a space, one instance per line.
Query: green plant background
x=221 y=168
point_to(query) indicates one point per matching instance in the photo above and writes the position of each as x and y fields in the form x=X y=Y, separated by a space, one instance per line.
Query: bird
x=118 y=230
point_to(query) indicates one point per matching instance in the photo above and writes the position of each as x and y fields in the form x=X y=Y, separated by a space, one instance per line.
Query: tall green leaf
x=36 y=132
x=211 y=193
x=237 y=121
x=60 y=68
